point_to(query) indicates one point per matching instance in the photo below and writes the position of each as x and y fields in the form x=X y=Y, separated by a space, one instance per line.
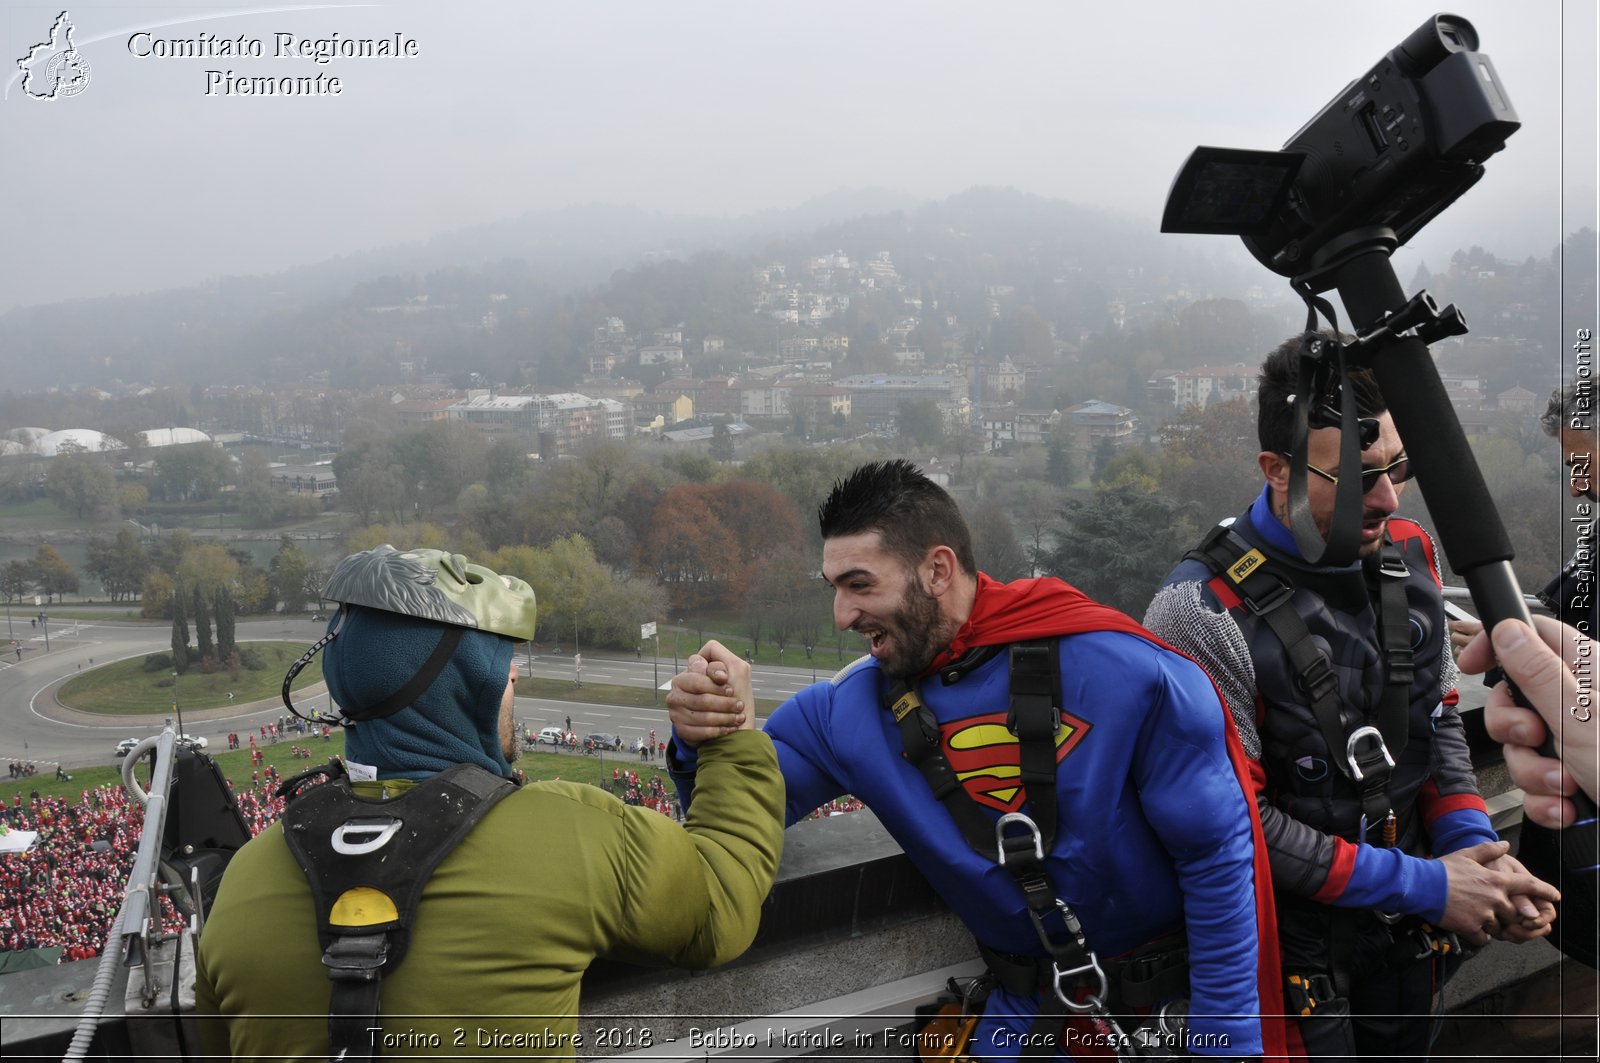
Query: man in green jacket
x=552 y=875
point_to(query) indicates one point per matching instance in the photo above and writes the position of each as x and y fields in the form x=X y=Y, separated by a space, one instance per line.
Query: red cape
x=1046 y=607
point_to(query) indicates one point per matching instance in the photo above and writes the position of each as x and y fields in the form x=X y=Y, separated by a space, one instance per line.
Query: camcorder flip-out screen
x=1229 y=191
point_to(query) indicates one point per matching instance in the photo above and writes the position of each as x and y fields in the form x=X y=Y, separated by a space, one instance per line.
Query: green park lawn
x=124 y=688
x=573 y=767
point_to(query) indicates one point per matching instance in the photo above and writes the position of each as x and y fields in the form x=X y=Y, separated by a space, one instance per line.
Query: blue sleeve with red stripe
x=1453 y=821
x=1386 y=879
x=1461 y=829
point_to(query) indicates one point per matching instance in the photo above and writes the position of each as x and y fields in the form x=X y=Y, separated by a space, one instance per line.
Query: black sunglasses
x=1398 y=472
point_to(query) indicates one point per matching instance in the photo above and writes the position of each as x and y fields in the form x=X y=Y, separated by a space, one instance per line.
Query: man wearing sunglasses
x=1341 y=683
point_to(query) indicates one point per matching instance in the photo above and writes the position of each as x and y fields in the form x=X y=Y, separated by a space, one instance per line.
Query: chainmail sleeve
x=1449 y=674
x=1180 y=617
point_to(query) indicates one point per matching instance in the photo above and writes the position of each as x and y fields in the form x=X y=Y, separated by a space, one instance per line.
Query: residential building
x=763 y=398
x=1094 y=422
x=315 y=479
x=412 y=413
x=560 y=421
x=875 y=398
x=672 y=407
x=661 y=354
x=1206 y=384
x=818 y=404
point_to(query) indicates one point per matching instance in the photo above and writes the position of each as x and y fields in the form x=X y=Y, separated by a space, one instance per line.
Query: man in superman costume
x=1156 y=842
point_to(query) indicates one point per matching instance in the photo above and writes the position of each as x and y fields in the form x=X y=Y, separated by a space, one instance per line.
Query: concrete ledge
x=851 y=939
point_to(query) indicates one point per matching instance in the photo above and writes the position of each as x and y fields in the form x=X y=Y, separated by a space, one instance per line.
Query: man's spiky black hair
x=910 y=512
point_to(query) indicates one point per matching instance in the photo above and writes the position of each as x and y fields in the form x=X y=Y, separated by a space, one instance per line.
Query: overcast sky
x=144 y=181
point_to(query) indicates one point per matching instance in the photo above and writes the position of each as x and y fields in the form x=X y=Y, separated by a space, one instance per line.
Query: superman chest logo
x=986 y=758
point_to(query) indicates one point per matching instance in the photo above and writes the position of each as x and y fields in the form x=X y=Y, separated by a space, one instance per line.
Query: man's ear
x=1275 y=467
x=940 y=568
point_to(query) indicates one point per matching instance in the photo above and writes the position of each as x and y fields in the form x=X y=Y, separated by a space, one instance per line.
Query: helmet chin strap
x=305 y=659
x=410 y=690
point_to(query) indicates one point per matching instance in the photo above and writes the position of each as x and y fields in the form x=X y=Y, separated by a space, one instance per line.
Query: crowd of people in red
x=837 y=807
x=65 y=890
x=649 y=793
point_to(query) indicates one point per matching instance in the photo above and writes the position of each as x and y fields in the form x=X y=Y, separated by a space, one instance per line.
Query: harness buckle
x=357 y=957
x=1305 y=993
x=1318 y=679
x=1266 y=603
x=1356 y=737
x=1004 y=843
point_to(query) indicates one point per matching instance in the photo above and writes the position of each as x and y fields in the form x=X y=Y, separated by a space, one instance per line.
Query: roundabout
x=147 y=685
x=37 y=726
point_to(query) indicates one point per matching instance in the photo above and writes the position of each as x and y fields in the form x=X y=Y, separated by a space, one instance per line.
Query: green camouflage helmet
x=435 y=585
x=429 y=585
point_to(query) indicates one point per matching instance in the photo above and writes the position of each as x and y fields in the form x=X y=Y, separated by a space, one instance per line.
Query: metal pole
x=177 y=706
x=655 y=683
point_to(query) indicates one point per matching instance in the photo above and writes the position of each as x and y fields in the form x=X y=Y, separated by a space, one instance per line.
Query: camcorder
x=1386 y=155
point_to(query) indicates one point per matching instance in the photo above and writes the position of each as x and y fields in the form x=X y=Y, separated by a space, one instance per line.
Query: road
x=34 y=727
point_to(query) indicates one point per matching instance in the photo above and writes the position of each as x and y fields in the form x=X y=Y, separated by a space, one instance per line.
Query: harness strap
x=919 y=735
x=355 y=969
x=1035 y=718
x=1399 y=665
x=366 y=891
x=1018 y=842
x=1365 y=755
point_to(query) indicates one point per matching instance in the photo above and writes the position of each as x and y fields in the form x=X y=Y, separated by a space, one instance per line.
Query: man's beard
x=916 y=634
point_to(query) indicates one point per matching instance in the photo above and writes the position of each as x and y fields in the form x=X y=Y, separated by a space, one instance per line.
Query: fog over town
x=155 y=177
x=696 y=225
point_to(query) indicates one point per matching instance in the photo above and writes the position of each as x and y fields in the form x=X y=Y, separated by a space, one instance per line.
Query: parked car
x=603 y=740
x=551 y=736
x=125 y=746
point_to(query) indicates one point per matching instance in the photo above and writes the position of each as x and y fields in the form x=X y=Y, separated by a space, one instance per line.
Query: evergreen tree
x=721 y=441
x=226 y=646
x=1058 y=468
x=180 y=634
x=202 y=627
x=1118 y=546
x=1103 y=453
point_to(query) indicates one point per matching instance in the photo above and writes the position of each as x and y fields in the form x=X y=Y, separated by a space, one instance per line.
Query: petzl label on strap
x=1247 y=564
x=907 y=702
